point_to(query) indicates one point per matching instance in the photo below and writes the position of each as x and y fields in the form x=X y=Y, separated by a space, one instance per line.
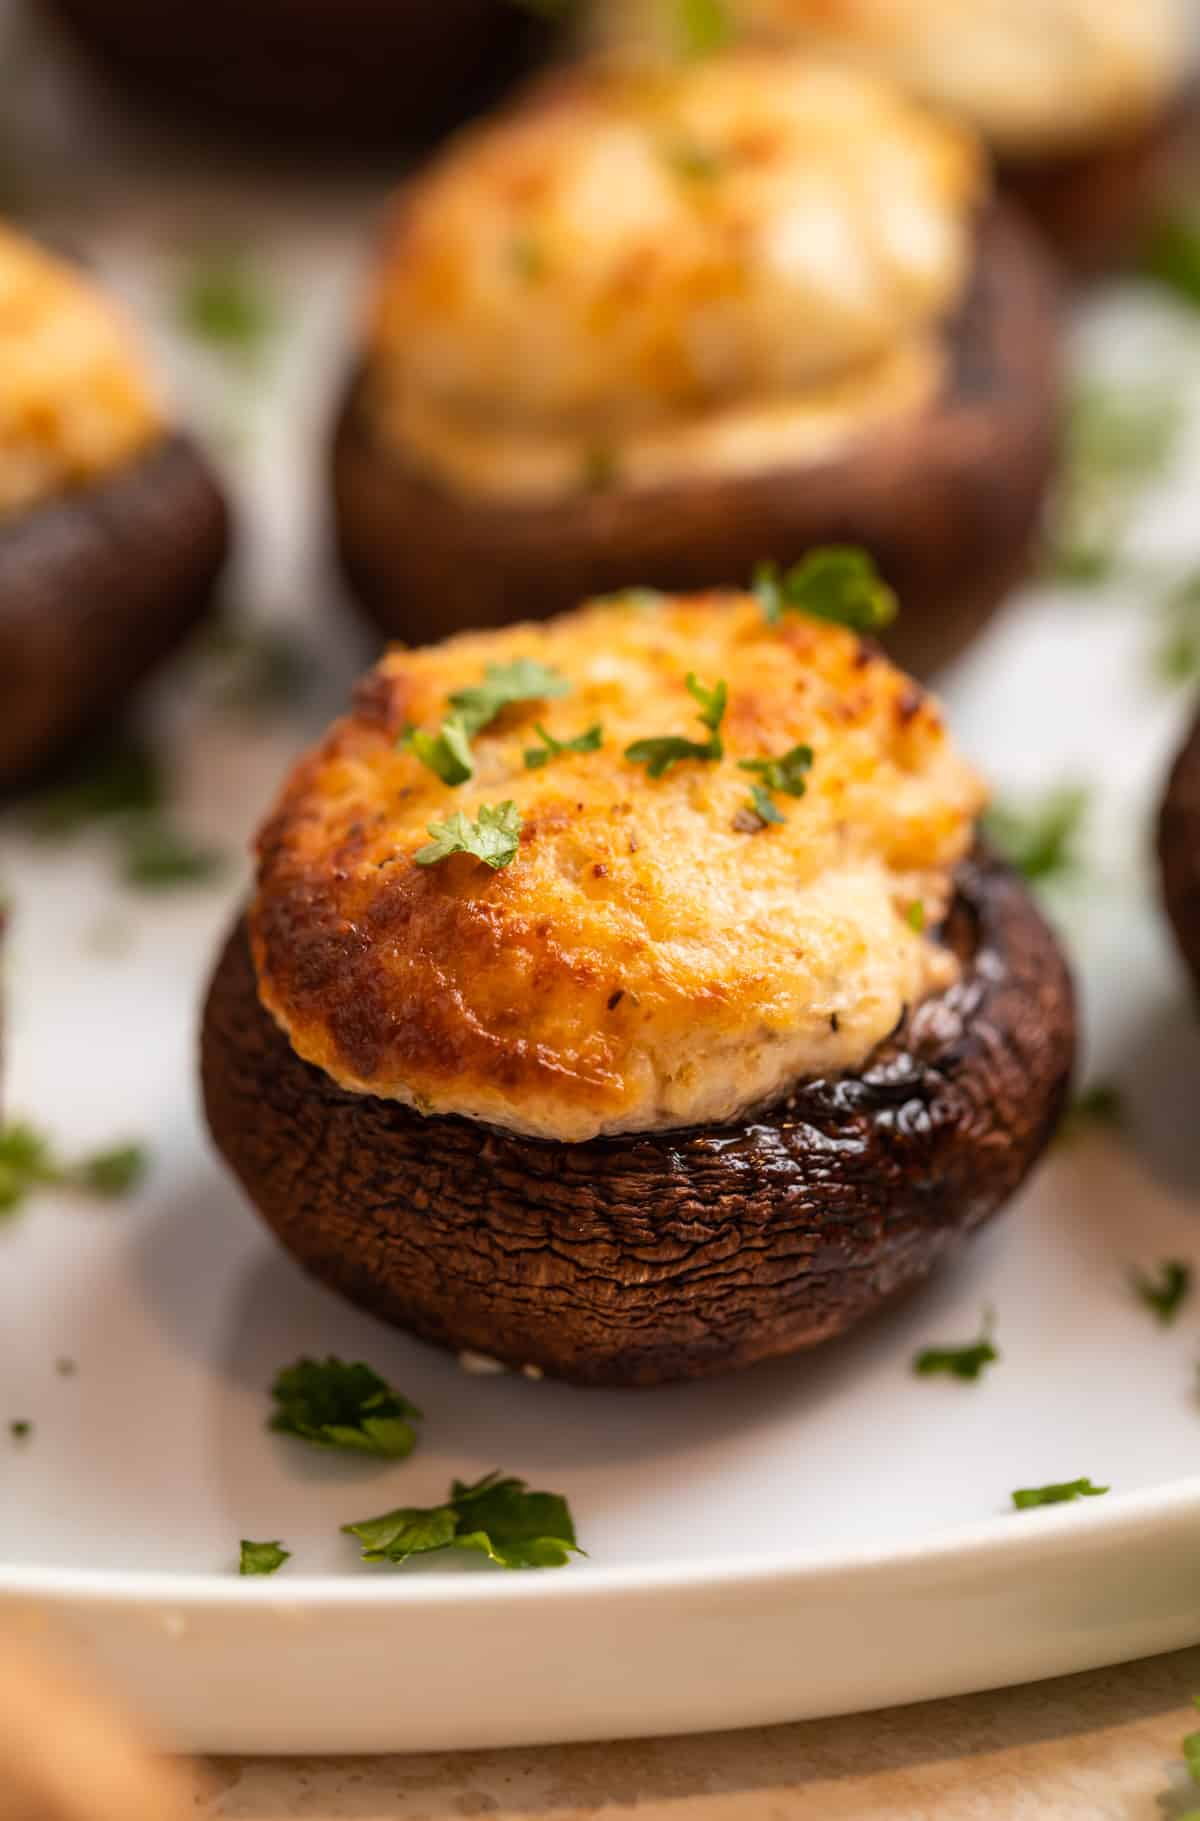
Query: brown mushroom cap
x=948 y=501
x=1179 y=849
x=344 y=71
x=1095 y=207
x=96 y=588
x=636 y=1260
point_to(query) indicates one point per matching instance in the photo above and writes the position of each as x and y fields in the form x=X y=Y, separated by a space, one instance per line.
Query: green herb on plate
x=156 y=857
x=256 y=667
x=446 y=753
x=28 y=1162
x=967 y=1362
x=789 y=774
x=493 y=837
x=332 y=1404
x=497 y=1516
x=262 y=1558
x=836 y=582
x=1172 y=258
x=1057 y=1493
x=1099 y=1106
x=1041 y=837
x=1165 y=1294
x=1118 y=441
x=221 y=301
x=660 y=753
x=121 y=777
x=20 y=1430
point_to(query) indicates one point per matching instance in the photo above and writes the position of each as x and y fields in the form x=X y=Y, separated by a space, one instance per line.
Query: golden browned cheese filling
x=655 y=955
x=1034 y=76
x=75 y=401
x=642 y=272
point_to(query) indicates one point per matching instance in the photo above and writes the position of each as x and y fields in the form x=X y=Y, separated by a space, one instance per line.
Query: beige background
x=1104 y=1746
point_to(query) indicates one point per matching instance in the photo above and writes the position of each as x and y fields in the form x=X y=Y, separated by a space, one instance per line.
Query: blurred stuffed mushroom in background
x=1085 y=104
x=112 y=530
x=328 y=73
x=654 y=324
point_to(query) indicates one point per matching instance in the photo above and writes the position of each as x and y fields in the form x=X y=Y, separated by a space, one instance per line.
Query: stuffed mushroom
x=1084 y=103
x=112 y=531
x=1179 y=850
x=341 y=72
x=626 y=996
x=655 y=324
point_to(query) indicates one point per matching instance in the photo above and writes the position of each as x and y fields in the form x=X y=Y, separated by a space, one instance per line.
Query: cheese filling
x=646 y=273
x=1033 y=76
x=655 y=955
x=75 y=403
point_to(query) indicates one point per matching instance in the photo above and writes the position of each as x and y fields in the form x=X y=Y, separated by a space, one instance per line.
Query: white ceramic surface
x=811 y=1537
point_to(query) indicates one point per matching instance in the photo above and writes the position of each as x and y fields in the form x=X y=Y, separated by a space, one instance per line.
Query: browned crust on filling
x=637 y=1260
x=96 y=588
x=949 y=501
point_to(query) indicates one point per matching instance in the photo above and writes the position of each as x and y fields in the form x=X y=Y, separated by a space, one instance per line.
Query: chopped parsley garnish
x=493 y=838
x=1041 y=838
x=1099 y=1105
x=788 y=774
x=1191 y=1751
x=28 y=1162
x=659 y=754
x=256 y=666
x=262 y=1558
x=497 y=1516
x=333 y=1404
x=837 y=582
x=122 y=777
x=704 y=26
x=958 y=1362
x=915 y=917
x=692 y=161
x=527 y=257
x=1177 y=649
x=1166 y=1293
x=536 y=756
x=221 y=302
x=524 y=680
x=20 y=1430
x=1117 y=441
x=448 y=752
x=122 y=786
x=1172 y=258
x=1059 y=1493
x=157 y=857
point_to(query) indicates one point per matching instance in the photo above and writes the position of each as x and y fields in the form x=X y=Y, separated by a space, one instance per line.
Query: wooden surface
x=1096 y=1747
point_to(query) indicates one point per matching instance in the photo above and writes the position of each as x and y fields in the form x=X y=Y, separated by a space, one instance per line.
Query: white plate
x=811 y=1537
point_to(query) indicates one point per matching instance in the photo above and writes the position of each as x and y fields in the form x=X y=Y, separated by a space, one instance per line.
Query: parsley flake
x=788 y=774
x=158 y=857
x=1117 y=441
x=837 y=582
x=221 y=302
x=535 y=756
x=1191 y=1751
x=704 y=26
x=1100 y=1105
x=1172 y=259
x=1041 y=838
x=121 y=777
x=497 y=1516
x=333 y=1404
x=1166 y=1293
x=493 y=838
x=28 y=1162
x=958 y=1362
x=1057 y=1493
x=448 y=752
x=262 y=1558
x=659 y=754
x=20 y=1430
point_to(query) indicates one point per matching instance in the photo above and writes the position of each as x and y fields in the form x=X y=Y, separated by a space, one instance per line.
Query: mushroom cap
x=658 y=1256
